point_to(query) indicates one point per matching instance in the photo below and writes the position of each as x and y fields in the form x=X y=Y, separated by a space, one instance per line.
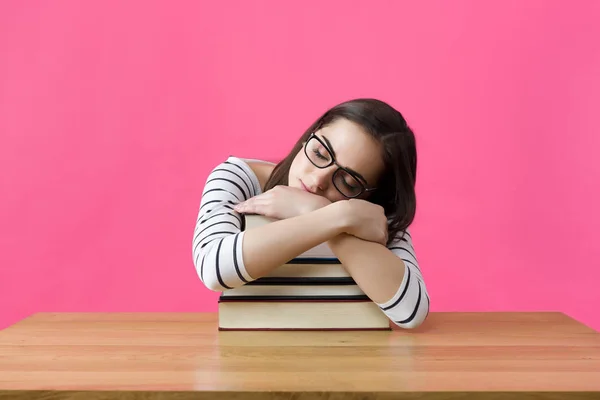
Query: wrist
x=340 y=217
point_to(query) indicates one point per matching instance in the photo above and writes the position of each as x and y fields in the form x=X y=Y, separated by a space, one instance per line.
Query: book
x=310 y=292
x=309 y=314
x=273 y=287
x=303 y=268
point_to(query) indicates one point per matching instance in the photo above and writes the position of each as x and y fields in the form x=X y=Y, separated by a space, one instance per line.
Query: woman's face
x=352 y=148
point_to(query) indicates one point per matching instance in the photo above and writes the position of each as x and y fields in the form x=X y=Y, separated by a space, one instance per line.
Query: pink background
x=112 y=114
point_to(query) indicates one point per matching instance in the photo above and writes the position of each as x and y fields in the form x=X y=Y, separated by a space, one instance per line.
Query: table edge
x=17 y=394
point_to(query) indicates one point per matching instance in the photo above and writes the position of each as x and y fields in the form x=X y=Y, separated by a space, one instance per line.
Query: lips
x=305 y=187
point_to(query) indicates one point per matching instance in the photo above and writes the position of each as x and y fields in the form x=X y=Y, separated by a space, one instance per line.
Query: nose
x=321 y=178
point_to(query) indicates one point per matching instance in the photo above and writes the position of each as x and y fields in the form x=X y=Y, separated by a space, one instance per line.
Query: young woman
x=349 y=181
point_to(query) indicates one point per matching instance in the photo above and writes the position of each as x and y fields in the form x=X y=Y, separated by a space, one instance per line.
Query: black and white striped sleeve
x=218 y=235
x=409 y=307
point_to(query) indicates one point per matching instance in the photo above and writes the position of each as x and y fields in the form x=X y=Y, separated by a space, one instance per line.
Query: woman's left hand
x=282 y=202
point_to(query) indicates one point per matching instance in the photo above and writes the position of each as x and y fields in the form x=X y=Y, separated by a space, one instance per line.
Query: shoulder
x=260 y=168
x=402 y=242
x=253 y=172
x=403 y=246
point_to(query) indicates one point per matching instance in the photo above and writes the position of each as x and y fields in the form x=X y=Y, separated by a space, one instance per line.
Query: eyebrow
x=330 y=148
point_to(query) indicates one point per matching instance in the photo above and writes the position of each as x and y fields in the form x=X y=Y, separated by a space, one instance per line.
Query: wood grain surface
x=183 y=356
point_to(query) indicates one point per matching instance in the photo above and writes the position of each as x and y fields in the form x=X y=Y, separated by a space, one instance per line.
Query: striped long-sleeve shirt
x=219 y=234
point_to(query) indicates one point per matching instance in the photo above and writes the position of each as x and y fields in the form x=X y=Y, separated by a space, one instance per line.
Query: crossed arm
x=226 y=256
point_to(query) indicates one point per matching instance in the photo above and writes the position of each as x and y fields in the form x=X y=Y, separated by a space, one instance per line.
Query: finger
x=243 y=206
x=240 y=205
x=253 y=206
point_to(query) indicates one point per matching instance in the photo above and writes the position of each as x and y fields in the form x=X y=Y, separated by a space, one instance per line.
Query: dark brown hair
x=396 y=187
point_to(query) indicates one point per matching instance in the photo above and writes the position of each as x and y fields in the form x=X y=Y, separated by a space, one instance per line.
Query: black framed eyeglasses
x=349 y=183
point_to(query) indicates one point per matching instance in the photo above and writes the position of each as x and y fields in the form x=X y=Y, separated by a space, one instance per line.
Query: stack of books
x=310 y=292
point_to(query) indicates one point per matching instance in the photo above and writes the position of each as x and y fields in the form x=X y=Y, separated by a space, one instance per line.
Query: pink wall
x=113 y=113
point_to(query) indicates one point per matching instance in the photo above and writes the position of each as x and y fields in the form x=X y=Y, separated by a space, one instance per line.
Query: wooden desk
x=183 y=356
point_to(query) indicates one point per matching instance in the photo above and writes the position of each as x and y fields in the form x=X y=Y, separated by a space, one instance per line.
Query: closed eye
x=348 y=185
x=318 y=154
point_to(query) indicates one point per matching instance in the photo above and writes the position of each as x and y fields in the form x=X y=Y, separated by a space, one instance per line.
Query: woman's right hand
x=365 y=220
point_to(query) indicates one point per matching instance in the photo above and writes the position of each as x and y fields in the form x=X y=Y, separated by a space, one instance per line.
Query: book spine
x=306 y=329
x=301 y=281
x=324 y=298
x=314 y=260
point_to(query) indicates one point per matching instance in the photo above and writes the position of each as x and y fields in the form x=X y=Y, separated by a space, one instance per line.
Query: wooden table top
x=543 y=355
